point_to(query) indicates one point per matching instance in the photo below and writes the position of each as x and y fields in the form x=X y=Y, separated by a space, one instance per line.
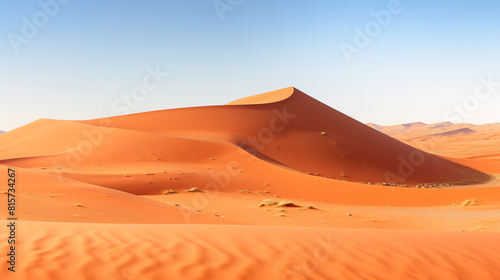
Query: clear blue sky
x=86 y=54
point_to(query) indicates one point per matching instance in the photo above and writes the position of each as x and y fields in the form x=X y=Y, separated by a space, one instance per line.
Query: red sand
x=76 y=178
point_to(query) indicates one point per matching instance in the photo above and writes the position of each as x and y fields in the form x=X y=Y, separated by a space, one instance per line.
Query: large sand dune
x=107 y=198
x=294 y=131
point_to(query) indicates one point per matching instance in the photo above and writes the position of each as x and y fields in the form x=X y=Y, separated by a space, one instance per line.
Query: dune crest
x=265 y=98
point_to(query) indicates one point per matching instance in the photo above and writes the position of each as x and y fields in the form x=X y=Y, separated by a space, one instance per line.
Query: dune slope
x=45 y=197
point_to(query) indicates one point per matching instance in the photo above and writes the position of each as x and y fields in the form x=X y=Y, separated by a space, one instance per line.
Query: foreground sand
x=125 y=252
x=114 y=199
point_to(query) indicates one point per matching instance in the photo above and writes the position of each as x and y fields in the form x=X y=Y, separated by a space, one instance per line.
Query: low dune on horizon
x=461 y=140
x=272 y=186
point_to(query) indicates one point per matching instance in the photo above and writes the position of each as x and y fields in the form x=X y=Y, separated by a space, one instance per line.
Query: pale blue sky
x=85 y=55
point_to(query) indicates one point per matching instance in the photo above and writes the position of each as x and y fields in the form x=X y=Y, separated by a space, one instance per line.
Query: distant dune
x=413 y=125
x=440 y=125
x=398 y=127
x=465 y=130
x=1 y=131
x=457 y=140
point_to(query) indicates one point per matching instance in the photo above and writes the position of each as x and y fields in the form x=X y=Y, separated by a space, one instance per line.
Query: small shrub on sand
x=268 y=202
x=287 y=204
x=169 y=192
x=469 y=202
x=194 y=190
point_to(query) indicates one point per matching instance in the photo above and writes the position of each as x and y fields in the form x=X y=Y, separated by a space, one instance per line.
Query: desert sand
x=272 y=186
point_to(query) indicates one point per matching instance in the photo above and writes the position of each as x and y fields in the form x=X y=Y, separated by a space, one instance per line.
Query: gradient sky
x=429 y=57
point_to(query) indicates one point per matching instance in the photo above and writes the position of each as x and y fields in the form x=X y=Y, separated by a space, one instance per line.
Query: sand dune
x=413 y=125
x=297 y=132
x=440 y=125
x=176 y=193
x=45 y=197
x=399 y=127
x=457 y=131
x=460 y=131
x=207 y=148
x=468 y=140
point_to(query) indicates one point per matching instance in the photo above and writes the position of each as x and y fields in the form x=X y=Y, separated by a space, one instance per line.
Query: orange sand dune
x=440 y=125
x=289 y=132
x=457 y=131
x=145 y=169
x=297 y=132
x=44 y=197
x=86 y=251
x=202 y=147
x=487 y=164
x=398 y=127
x=110 y=198
x=455 y=140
